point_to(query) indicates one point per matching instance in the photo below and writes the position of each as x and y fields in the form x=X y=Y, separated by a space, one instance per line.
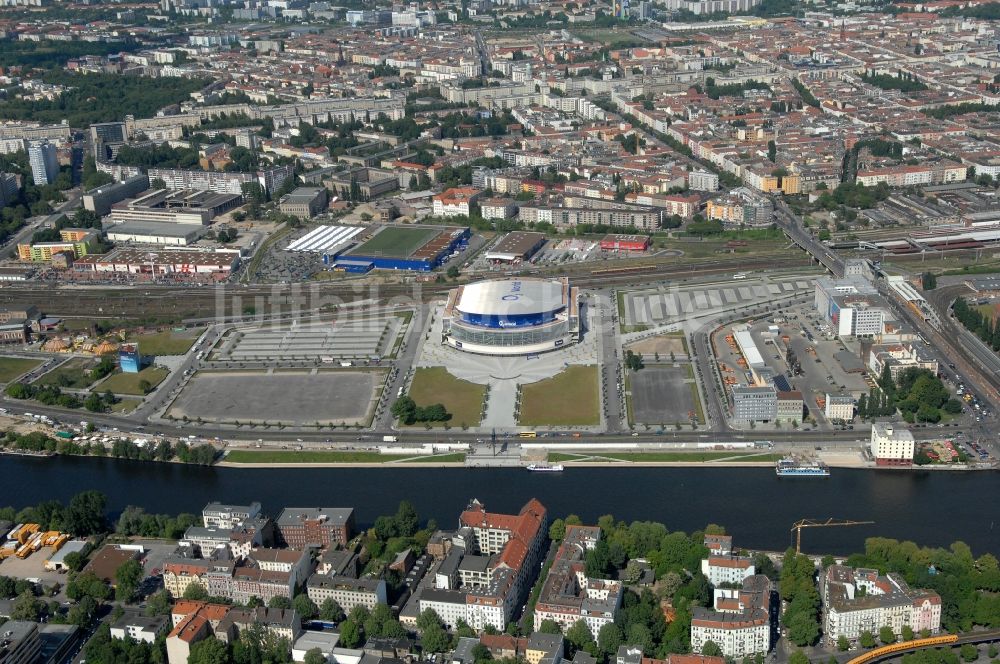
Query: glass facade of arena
x=508 y=337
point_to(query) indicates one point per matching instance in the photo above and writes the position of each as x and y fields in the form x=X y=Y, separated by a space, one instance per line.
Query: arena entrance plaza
x=504 y=375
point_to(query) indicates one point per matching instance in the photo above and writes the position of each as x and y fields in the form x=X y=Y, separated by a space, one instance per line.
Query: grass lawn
x=309 y=456
x=12 y=367
x=683 y=338
x=74 y=374
x=167 y=343
x=698 y=412
x=128 y=383
x=569 y=398
x=396 y=241
x=668 y=457
x=125 y=405
x=457 y=457
x=464 y=400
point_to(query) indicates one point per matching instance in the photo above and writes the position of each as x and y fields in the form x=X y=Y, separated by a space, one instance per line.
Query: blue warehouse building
x=381 y=252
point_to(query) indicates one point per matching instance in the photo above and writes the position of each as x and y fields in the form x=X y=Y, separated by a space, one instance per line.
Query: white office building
x=891 y=444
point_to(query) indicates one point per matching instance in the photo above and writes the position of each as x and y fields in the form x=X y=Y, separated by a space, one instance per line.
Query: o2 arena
x=517 y=316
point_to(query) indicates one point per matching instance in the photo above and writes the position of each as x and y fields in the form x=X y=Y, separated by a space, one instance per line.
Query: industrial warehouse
x=512 y=316
x=516 y=247
x=161 y=263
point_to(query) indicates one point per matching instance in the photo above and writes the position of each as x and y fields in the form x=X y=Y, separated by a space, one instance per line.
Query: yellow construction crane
x=813 y=523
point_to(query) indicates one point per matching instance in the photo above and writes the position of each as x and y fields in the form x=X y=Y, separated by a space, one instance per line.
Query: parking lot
x=32 y=567
x=344 y=338
x=156 y=553
x=662 y=394
x=290 y=397
x=651 y=307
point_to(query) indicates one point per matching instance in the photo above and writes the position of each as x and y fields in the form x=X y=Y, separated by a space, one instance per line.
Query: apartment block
x=219 y=515
x=741 y=621
x=455 y=202
x=899 y=357
x=839 y=407
x=139 y=627
x=728 y=568
x=320 y=527
x=43 y=158
x=703 y=181
x=503 y=553
x=568 y=595
x=647 y=219
x=862 y=600
x=347 y=591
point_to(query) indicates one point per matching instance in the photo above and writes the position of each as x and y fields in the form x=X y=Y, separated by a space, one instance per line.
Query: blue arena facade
x=517 y=316
x=425 y=258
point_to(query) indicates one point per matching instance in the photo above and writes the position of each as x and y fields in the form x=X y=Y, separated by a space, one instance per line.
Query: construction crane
x=813 y=523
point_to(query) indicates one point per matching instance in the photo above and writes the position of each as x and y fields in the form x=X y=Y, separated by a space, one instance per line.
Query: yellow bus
x=527 y=434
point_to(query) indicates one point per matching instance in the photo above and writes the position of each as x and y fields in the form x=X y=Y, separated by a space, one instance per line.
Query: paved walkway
x=504 y=375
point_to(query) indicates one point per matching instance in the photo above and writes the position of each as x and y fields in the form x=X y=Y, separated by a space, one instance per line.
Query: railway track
x=158 y=303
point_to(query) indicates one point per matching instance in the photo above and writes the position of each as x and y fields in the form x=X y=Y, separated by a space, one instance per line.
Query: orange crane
x=813 y=523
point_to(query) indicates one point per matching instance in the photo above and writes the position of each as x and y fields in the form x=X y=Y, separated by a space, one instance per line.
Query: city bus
x=527 y=434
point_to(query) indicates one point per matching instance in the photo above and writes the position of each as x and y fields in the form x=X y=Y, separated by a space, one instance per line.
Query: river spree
x=930 y=508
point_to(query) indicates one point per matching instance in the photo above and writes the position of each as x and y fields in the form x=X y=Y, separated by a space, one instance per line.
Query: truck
x=389 y=439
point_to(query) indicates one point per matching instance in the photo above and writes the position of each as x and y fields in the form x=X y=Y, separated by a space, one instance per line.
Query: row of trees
x=797 y=586
x=83 y=516
x=875 y=404
x=982 y=325
x=36 y=441
x=52 y=395
x=903 y=81
x=135 y=522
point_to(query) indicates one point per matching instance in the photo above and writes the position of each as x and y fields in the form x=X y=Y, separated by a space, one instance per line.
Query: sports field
x=396 y=242
x=464 y=400
x=569 y=398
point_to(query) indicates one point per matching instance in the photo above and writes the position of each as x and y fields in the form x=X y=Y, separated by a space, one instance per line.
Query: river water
x=928 y=507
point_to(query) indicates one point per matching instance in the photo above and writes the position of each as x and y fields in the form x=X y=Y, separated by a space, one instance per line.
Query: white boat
x=545 y=468
x=790 y=467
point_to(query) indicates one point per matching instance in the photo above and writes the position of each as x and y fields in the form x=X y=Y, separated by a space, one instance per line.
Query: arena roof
x=512 y=297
